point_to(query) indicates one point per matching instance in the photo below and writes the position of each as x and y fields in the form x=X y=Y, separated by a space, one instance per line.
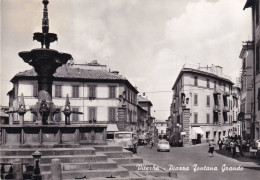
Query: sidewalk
x=246 y=162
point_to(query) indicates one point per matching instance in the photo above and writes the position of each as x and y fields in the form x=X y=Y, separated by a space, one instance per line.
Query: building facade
x=255 y=118
x=94 y=91
x=161 y=126
x=204 y=105
x=145 y=120
x=245 y=116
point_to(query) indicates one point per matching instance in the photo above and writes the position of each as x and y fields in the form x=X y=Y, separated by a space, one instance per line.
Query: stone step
x=117 y=172
x=47 y=152
x=128 y=160
x=34 y=146
x=108 y=148
x=118 y=154
x=109 y=164
x=64 y=158
x=157 y=174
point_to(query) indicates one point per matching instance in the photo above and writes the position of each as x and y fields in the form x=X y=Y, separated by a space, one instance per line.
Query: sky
x=147 y=41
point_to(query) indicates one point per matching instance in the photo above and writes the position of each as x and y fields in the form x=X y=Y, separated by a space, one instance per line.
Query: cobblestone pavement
x=193 y=162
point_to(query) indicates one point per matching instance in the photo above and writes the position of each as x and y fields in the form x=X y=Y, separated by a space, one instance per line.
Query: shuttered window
x=208 y=100
x=195 y=118
x=112 y=114
x=92 y=91
x=195 y=99
x=35 y=90
x=57 y=90
x=75 y=91
x=92 y=113
x=112 y=91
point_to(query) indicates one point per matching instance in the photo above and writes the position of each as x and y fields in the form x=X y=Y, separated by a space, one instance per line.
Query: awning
x=183 y=133
x=195 y=131
x=2 y=114
x=112 y=128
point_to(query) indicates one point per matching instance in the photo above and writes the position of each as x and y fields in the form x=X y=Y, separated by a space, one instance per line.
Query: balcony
x=217 y=108
x=217 y=91
x=226 y=109
x=226 y=94
x=234 y=95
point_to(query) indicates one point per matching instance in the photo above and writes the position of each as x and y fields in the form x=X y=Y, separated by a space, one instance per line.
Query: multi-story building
x=255 y=120
x=202 y=106
x=246 y=79
x=161 y=126
x=145 y=120
x=92 y=90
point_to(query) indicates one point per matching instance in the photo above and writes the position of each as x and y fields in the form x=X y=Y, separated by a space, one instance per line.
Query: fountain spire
x=45 y=19
x=45 y=38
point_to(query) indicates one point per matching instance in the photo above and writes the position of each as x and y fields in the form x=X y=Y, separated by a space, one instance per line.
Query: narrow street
x=182 y=160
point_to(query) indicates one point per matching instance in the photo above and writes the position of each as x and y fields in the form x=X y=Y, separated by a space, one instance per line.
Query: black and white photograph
x=130 y=89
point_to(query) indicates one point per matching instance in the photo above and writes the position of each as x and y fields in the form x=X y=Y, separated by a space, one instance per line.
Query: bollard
x=36 y=166
x=17 y=170
x=56 y=169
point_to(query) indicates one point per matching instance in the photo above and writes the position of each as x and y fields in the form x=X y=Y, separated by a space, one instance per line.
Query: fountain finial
x=45 y=19
x=45 y=37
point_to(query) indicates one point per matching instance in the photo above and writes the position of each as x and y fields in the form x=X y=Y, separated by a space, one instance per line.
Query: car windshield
x=163 y=142
x=123 y=136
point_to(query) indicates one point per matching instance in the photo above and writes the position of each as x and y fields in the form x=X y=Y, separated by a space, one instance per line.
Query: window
x=208 y=100
x=258 y=99
x=257 y=59
x=195 y=99
x=92 y=113
x=195 y=118
x=57 y=117
x=208 y=118
x=112 y=114
x=75 y=91
x=195 y=80
x=244 y=64
x=257 y=12
x=112 y=91
x=92 y=91
x=75 y=117
x=208 y=83
x=35 y=90
x=57 y=90
x=207 y=134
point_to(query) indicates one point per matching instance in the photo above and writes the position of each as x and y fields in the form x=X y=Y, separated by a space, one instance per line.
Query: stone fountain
x=45 y=131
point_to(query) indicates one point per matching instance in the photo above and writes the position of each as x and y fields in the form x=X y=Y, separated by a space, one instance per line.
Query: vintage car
x=128 y=140
x=163 y=145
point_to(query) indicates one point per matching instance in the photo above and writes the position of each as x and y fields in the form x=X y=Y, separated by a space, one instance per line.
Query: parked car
x=128 y=140
x=163 y=145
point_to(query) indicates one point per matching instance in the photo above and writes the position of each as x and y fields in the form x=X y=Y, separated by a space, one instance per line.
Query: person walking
x=234 y=148
x=151 y=143
x=220 y=144
x=211 y=147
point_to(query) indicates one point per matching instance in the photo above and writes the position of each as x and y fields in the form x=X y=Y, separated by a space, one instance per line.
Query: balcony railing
x=217 y=91
x=226 y=93
x=226 y=109
x=217 y=108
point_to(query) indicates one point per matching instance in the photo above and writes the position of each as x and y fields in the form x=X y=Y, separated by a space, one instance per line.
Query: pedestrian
x=151 y=143
x=220 y=144
x=234 y=148
x=211 y=147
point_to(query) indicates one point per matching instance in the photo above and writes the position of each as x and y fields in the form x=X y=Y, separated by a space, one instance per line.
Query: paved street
x=188 y=157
